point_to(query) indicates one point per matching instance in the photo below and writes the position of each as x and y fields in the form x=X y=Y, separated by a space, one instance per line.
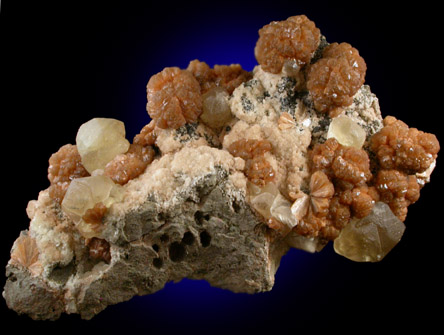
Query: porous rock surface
x=201 y=229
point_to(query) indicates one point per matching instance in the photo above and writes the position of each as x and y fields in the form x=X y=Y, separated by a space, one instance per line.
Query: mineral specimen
x=234 y=169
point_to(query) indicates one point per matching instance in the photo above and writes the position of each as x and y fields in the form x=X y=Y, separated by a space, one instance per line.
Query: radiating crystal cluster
x=293 y=39
x=336 y=77
x=26 y=253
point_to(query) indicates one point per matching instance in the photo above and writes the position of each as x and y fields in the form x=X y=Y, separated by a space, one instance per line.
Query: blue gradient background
x=67 y=63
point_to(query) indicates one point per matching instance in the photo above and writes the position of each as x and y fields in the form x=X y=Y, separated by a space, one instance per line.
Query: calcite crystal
x=372 y=237
x=346 y=132
x=99 y=141
x=83 y=195
x=234 y=169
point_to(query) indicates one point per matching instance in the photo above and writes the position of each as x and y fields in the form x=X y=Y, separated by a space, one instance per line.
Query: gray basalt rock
x=207 y=234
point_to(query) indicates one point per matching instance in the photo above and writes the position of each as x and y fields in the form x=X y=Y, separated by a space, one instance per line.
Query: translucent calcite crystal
x=262 y=198
x=216 y=110
x=281 y=210
x=270 y=203
x=99 y=141
x=309 y=244
x=84 y=193
x=346 y=132
x=371 y=238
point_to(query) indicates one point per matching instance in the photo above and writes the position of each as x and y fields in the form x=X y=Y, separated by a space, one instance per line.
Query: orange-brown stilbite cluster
x=234 y=165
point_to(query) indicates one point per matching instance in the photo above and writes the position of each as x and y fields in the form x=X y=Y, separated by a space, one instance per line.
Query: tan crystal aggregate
x=130 y=165
x=147 y=135
x=296 y=38
x=335 y=78
x=64 y=166
x=398 y=190
x=99 y=249
x=226 y=76
x=348 y=169
x=174 y=98
x=257 y=168
x=399 y=147
x=348 y=164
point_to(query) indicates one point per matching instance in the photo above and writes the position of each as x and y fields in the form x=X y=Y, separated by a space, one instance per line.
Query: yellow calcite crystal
x=372 y=237
x=346 y=132
x=216 y=110
x=99 y=141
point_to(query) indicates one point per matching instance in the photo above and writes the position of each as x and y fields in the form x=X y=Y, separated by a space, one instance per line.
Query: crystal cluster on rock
x=234 y=168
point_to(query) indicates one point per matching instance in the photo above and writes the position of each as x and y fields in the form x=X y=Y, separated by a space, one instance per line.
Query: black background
x=63 y=63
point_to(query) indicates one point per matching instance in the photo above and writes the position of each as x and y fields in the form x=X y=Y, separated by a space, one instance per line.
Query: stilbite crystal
x=371 y=238
x=346 y=132
x=99 y=141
